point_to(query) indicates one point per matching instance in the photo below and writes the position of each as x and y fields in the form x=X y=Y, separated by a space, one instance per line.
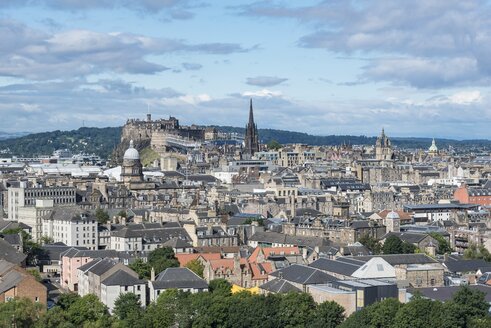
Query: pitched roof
x=396 y=259
x=122 y=278
x=279 y=286
x=185 y=258
x=339 y=267
x=178 y=278
x=10 y=254
x=376 y=267
x=465 y=265
x=303 y=275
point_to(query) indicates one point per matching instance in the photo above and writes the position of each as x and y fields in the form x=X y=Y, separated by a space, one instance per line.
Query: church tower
x=383 y=148
x=251 y=141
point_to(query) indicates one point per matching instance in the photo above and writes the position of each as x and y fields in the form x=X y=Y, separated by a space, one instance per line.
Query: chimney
x=152 y=274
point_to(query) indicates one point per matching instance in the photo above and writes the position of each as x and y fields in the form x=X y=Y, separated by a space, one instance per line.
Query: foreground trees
x=220 y=308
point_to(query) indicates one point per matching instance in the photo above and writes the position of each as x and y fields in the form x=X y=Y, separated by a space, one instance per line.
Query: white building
x=72 y=226
x=121 y=282
x=33 y=216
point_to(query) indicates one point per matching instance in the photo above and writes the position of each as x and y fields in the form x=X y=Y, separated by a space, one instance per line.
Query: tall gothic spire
x=251 y=114
x=251 y=140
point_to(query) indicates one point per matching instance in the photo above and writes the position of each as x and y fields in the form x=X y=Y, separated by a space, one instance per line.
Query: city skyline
x=334 y=67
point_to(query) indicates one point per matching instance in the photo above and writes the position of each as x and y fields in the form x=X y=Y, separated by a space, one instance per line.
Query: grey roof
x=177 y=243
x=446 y=293
x=303 y=274
x=12 y=239
x=279 y=286
x=396 y=259
x=465 y=265
x=122 y=278
x=10 y=254
x=70 y=213
x=178 y=278
x=54 y=251
x=344 y=268
x=98 y=266
x=100 y=253
x=410 y=237
x=9 y=278
x=280 y=238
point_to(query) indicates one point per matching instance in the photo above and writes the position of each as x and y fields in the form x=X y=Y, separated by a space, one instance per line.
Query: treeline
x=220 y=308
x=288 y=137
x=99 y=141
x=102 y=141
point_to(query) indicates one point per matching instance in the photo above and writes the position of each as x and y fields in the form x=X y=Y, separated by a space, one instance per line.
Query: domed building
x=131 y=170
x=393 y=222
x=433 y=150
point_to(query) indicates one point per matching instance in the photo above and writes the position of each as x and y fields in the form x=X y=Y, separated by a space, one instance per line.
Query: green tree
x=408 y=248
x=196 y=266
x=35 y=273
x=162 y=258
x=54 y=318
x=46 y=240
x=19 y=312
x=67 y=299
x=101 y=216
x=220 y=286
x=295 y=310
x=142 y=268
x=274 y=145
x=328 y=315
x=419 y=313
x=443 y=244
x=128 y=309
x=87 y=309
x=392 y=245
x=471 y=303
x=371 y=243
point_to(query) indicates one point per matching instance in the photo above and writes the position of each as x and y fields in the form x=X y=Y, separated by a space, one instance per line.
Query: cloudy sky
x=417 y=68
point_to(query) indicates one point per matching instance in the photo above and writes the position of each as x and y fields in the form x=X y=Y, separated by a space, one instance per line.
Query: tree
x=46 y=240
x=371 y=243
x=220 y=286
x=392 y=245
x=443 y=244
x=142 y=268
x=419 y=313
x=471 y=303
x=19 y=312
x=67 y=299
x=196 y=266
x=408 y=248
x=295 y=310
x=128 y=309
x=274 y=145
x=162 y=258
x=35 y=273
x=328 y=315
x=475 y=252
x=87 y=309
x=101 y=216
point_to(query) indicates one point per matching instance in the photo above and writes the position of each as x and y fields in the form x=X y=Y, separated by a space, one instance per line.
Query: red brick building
x=17 y=282
x=466 y=195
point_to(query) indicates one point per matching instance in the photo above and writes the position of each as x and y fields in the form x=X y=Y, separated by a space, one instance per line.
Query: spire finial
x=251 y=113
x=132 y=144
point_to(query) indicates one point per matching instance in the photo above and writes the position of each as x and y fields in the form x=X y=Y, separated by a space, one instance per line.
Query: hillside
x=99 y=141
x=102 y=141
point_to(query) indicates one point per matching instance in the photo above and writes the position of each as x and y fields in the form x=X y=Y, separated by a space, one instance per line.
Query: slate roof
x=9 y=277
x=122 y=278
x=98 y=266
x=70 y=213
x=303 y=274
x=410 y=237
x=397 y=259
x=10 y=254
x=279 y=286
x=446 y=293
x=178 y=278
x=101 y=253
x=334 y=266
x=465 y=265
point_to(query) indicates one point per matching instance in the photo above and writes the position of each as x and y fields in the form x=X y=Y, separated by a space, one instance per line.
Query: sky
x=415 y=68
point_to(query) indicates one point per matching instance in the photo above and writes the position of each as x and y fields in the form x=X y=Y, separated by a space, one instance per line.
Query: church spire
x=251 y=140
x=251 y=114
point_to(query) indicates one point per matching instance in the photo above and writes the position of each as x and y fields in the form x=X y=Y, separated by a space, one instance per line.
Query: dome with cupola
x=131 y=153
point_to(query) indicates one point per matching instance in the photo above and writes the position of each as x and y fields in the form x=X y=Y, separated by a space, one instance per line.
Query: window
x=36 y=299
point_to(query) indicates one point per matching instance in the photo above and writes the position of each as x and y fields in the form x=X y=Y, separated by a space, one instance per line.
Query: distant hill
x=102 y=141
x=99 y=141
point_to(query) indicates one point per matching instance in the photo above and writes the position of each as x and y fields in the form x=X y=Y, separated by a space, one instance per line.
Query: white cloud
x=262 y=93
x=466 y=97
